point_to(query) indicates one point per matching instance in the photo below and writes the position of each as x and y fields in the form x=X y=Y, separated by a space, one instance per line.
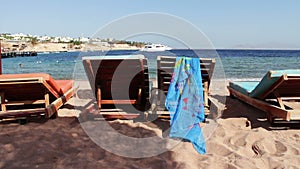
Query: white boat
x=155 y=48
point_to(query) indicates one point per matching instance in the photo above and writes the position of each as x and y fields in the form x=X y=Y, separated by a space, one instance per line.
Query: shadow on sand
x=62 y=143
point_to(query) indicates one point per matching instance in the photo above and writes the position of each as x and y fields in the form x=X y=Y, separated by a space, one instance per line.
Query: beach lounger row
x=120 y=81
x=115 y=80
x=272 y=94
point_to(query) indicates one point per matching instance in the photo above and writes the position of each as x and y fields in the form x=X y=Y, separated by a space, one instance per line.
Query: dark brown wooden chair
x=120 y=84
x=165 y=69
x=33 y=94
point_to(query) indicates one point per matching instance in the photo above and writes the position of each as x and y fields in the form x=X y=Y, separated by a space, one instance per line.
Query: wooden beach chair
x=272 y=94
x=165 y=69
x=120 y=84
x=25 y=95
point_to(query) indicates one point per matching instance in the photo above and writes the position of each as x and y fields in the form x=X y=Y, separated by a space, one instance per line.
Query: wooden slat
x=17 y=83
x=118 y=101
x=21 y=80
x=120 y=116
x=25 y=102
x=272 y=110
x=169 y=70
x=21 y=113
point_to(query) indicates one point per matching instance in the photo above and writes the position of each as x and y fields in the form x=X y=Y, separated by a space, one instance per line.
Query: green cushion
x=244 y=87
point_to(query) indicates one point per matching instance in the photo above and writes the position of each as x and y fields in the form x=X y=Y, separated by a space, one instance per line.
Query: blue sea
x=231 y=64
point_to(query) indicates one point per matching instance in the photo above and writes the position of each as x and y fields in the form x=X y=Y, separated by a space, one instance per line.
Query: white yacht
x=155 y=48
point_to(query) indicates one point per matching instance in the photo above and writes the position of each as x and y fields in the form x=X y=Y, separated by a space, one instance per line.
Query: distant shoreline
x=60 y=47
x=84 y=47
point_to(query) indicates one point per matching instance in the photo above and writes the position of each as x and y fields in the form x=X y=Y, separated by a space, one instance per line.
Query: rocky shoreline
x=60 y=47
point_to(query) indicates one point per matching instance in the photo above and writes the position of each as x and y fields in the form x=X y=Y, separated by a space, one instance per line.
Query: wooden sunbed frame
x=284 y=89
x=100 y=73
x=44 y=96
x=165 y=68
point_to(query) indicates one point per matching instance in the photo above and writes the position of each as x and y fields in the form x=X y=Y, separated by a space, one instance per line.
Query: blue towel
x=185 y=102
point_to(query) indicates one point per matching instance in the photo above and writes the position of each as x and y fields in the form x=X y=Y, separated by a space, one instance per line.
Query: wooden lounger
x=270 y=94
x=165 y=68
x=119 y=81
x=32 y=94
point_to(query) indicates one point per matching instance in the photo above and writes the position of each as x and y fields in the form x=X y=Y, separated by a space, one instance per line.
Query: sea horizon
x=236 y=64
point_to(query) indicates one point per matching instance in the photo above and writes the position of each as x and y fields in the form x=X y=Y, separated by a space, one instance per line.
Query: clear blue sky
x=227 y=23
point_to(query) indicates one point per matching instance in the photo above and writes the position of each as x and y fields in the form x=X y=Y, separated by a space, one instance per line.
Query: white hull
x=155 y=48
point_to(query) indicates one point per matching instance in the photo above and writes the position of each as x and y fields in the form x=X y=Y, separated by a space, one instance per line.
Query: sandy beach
x=123 y=50
x=242 y=138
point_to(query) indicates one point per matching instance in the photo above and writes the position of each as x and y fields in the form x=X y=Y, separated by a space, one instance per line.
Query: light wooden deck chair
x=120 y=84
x=270 y=94
x=32 y=94
x=165 y=69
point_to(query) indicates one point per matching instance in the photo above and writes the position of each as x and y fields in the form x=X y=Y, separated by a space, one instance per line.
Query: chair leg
x=3 y=106
x=47 y=100
x=99 y=97
x=139 y=100
x=278 y=98
x=154 y=100
x=205 y=89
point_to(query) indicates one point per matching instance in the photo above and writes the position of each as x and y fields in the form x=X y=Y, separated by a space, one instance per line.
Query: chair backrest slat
x=165 y=66
x=165 y=69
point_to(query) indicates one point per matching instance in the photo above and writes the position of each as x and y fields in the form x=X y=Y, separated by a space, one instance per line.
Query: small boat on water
x=155 y=48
